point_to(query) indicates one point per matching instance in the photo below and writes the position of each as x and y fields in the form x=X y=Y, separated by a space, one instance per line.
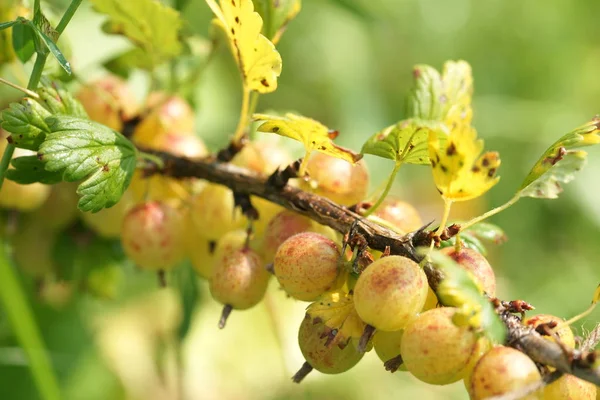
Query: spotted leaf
x=459 y=171
x=404 y=142
x=442 y=97
x=257 y=59
x=311 y=133
x=559 y=162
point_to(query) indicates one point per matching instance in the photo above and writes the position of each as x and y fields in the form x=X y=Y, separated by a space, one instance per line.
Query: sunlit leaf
x=311 y=133
x=442 y=97
x=258 y=60
x=459 y=172
x=87 y=150
x=458 y=91
x=425 y=99
x=149 y=24
x=58 y=100
x=26 y=120
x=559 y=163
x=459 y=289
x=406 y=141
x=336 y=311
x=596 y=297
x=276 y=15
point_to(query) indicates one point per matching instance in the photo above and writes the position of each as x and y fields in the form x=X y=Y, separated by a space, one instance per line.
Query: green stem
x=388 y=186
x=243 y=123
x=445 y=215
x=25 y=329
x=488 y=214
x=66 y=18
x=38 y=69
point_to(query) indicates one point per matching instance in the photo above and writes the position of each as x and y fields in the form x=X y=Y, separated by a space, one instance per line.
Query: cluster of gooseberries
x=386 y=305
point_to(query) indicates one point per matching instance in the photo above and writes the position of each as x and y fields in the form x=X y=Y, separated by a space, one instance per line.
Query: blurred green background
x=348 y=63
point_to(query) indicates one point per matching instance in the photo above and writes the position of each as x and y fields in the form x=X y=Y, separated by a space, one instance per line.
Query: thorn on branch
x=242 y=200
x=225 y=155
x=280 y=178
x=130 y=125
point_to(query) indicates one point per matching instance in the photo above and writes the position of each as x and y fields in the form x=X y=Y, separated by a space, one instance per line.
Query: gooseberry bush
x=92 y=177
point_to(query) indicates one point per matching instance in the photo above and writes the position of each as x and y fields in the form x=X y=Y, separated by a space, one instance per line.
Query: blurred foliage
x=348 y=63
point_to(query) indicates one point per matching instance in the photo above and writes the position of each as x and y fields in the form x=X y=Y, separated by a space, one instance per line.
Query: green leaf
x=425 y=99
x=442 y=97
x=49 y=43
x=458 y=289
x=123 y=63
x=467 y=240
x=276 y=14
x=560 y=162
x=6 y=25
x=150 y=25
x=487 y=231
x=404 y=142
x=23 y=40
x=84 y=149
x=26 y=121
x=57 y=100
x=30 y=169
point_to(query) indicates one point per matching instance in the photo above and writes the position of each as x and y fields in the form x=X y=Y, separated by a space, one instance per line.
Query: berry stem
x=393 y=364
x=383 y=195
x=445 y=215
x=365 y=338
x=243 y=122
x=490 y=213
x=304 y=370
x=224 y=315
x=162 y=278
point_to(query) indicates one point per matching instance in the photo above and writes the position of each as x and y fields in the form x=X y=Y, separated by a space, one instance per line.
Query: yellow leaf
x=459 y=172
x=311 y=133
x=458 y=89
x=336 y=310
x=258 y=60
x=596 y=297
